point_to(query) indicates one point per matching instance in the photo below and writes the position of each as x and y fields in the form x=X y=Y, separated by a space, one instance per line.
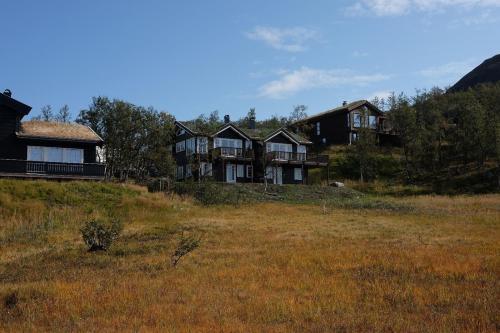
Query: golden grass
x=270 y=267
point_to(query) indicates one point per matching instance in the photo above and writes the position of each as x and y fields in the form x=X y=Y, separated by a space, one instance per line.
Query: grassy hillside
x=273 y=266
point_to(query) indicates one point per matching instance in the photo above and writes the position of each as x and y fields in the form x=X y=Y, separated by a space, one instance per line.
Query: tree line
x=442 y=135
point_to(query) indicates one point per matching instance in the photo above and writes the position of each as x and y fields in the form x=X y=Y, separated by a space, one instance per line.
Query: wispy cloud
x=289 y=39
x=448 y=73
x=451 y=69
x=402 y=7
x=306 y=78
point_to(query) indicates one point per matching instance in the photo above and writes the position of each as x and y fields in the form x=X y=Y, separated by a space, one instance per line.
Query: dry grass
x=271 y=267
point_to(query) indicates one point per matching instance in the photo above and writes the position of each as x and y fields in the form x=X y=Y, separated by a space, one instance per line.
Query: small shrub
x=10 y=301
x=98 y=236
x=185 y=246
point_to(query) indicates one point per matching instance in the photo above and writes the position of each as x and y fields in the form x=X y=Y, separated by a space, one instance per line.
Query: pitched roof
x=343 y=108
x=11 y=103
x=294 y=136
x=186 y=127
x=235 y=127
x=51 y=130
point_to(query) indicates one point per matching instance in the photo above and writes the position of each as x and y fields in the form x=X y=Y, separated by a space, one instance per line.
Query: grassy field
x=432 y=264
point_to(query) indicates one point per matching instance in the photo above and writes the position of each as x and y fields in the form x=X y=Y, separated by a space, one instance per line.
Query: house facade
x=42 y=149
x=341 y=125
x=235 y=155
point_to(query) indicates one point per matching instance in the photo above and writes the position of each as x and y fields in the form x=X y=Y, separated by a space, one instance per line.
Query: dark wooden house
x=42 y=149
x=342 y=124
x=235 y=155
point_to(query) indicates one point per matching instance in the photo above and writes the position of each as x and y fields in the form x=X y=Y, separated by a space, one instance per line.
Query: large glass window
x=55 y=154
x=240 y=171
x=190 y=145
x=297 y=173
x=357 y=120
x=372 y=122
x=202 y=145
x=228 y=143
x=180 y=146
x=273 y=146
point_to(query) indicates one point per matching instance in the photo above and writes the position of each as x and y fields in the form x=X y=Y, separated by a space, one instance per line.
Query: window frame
x=45 y=156
x=249 y=171
x=300 y=178
x=180 y=146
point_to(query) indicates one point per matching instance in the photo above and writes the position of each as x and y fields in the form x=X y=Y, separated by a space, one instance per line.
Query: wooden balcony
x=36 y=169
x=232 y=153
x=297 y=158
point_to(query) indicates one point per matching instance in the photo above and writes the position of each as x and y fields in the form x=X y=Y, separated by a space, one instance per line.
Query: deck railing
x=286 y=156
x=232 y=152
x=52 y=168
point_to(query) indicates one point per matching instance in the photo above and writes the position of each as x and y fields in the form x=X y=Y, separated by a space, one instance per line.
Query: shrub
x=98 y=236
x=185 y=246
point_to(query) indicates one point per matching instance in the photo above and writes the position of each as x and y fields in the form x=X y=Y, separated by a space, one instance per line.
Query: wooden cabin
x=235 y=155
x=340 y=126
x=43 y=149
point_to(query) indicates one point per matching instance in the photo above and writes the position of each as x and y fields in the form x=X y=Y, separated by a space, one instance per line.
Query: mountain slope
x=487 y=72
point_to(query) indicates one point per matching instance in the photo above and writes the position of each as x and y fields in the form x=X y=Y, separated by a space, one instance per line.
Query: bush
x=98 y=236
x=186 y=245
x=208 y=193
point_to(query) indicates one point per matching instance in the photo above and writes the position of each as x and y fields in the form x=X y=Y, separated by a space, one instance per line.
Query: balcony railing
x=230 y=152
x=285 y=156
x=51 y=168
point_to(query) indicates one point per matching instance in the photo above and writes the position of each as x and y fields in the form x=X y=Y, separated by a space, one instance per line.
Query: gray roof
x=343 y=108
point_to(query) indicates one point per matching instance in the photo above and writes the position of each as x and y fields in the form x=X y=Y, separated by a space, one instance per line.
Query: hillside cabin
x=235 y=155
x=341 y=125
x=45 y=149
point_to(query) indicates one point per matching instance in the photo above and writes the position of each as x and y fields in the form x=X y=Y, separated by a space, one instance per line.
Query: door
x=278 y=175
x=230 y=173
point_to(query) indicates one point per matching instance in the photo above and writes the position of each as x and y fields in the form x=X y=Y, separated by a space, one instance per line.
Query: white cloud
x=402 y=7
x=290 y=39
x=306 y=78
x=450 y=70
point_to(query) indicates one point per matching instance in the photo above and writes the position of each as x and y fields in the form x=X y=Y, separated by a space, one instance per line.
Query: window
x=190 y=145
x=73 y=155
x=205 y=169
x=240 y=171
x=318 y=129
x=269 y=172
x=55 y=154
x=180 y=172
x=354 y=137
x=181 y=131
x=203 y=145
x=249 y=171
x=229 y=143
x=357 y=120
x=301 y=152
x=297 y=173
x=272 y=146
x=180 y=146
x=189 y=171
x=372 y=122
x=35 y=153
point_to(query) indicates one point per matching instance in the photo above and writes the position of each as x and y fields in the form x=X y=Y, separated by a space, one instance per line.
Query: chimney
x=251 y=122
x=7 y=92
x=344 y=103
x=227 y=120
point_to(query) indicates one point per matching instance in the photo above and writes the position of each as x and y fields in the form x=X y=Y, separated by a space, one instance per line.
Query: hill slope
x=487 y=72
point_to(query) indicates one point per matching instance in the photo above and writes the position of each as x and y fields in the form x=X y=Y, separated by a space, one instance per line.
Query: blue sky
x=192 y=57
